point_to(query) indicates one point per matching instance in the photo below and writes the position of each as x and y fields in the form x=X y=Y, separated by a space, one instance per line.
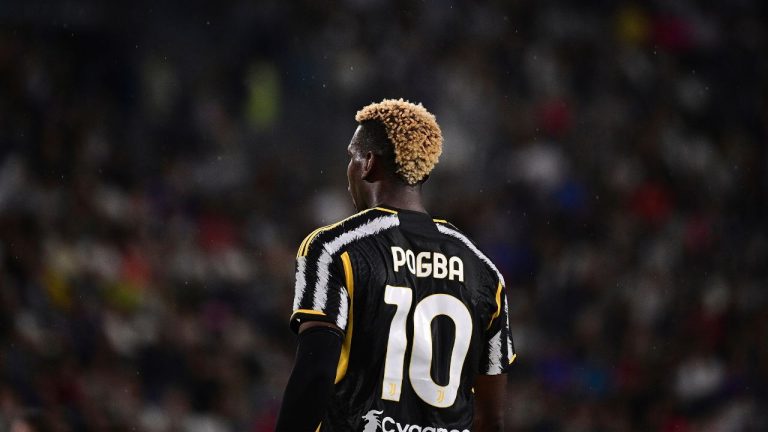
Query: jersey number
x=421 y=353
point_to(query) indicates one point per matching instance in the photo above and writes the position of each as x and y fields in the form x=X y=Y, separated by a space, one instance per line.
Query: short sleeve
x=498 y=348
x=320 y=293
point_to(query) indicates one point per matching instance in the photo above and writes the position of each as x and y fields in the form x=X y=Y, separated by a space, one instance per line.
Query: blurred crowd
x=160 y=164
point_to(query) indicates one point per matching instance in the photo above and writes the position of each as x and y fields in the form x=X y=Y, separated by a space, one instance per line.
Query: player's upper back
x=422 y=309
x=387 y=247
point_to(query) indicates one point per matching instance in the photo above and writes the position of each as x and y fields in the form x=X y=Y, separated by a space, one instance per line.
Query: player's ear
x=368 y=165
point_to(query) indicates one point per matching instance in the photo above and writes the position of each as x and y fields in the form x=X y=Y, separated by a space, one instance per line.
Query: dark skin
x=372 y=183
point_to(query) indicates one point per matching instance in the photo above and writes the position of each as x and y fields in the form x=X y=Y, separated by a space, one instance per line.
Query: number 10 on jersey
x=421 y=351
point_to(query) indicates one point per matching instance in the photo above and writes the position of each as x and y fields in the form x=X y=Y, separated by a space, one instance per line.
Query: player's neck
x=405 y=198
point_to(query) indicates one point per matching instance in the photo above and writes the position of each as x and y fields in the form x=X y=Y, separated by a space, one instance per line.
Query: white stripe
x=330 y=248
x=453 y=233
x=301 y=281
x=341 y=320
x=510 y=353
x=494 y=354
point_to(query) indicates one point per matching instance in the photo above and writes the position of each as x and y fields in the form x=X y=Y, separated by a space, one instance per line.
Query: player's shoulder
x=451 y=231
x=364 y=223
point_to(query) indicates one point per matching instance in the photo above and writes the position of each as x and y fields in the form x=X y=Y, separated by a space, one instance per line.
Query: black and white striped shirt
x=423 y=311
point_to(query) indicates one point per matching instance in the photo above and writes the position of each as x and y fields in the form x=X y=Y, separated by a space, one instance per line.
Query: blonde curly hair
x=414 y=133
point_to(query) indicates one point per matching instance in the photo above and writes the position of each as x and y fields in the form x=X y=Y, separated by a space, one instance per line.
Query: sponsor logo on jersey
x=388 y=424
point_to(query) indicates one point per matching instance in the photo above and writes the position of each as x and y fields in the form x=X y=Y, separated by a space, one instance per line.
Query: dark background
x=161 y=162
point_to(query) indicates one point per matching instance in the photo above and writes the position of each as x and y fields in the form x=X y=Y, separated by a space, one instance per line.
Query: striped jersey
x=423 y=312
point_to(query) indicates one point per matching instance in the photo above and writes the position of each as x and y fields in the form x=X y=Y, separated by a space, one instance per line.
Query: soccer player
x=402 y=320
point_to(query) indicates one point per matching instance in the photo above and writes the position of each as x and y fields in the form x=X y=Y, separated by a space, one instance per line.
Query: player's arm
x=311 y=383
x=498 y=355
x=320 y=321
x=489 y=403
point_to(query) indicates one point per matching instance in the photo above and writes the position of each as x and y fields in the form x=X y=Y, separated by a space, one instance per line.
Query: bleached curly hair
x=413 y=132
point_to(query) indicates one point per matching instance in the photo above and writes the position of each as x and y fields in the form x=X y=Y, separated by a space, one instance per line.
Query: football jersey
x=423 y=312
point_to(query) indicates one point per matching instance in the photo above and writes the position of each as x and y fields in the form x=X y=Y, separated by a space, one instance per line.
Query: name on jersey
x=428 y=264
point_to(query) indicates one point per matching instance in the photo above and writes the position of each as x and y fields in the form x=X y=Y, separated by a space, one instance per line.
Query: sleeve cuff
x=305 y=315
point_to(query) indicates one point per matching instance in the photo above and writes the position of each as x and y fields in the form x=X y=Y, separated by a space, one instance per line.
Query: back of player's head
x=404 y=132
